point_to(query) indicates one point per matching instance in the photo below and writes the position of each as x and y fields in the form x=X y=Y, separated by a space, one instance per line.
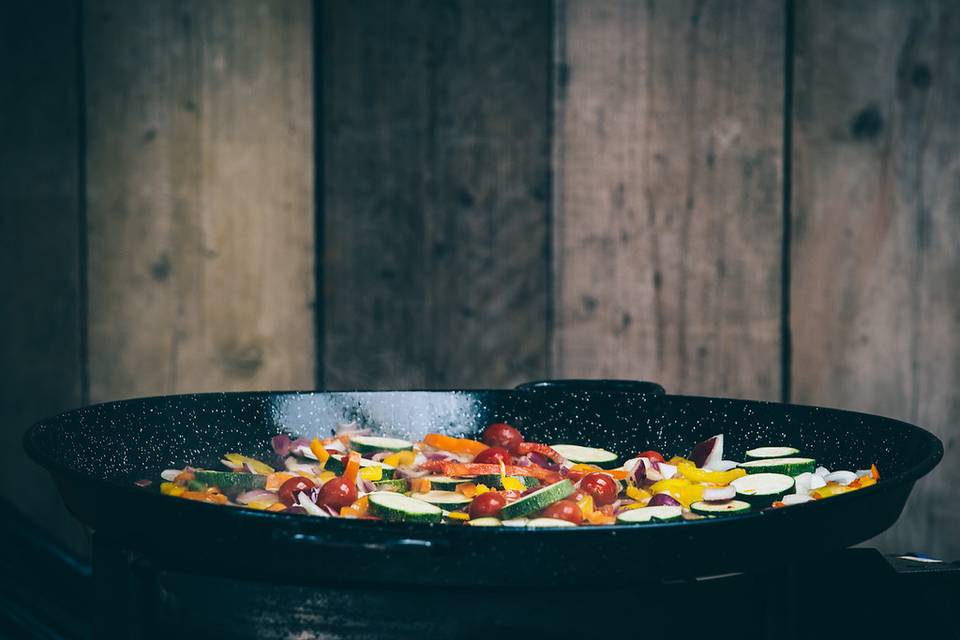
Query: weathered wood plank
x=667 y=190
x=876 y=227
x=40 y=297
x=435 y=117
x=200 y=182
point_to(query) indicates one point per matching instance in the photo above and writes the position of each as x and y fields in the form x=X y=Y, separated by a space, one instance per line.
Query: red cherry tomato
x=487 y=504
x=601 y=486
x=653 y=455
x=288 y=490
x=564 y=510
x=337 y=493
x=503 y=436
x=493 y=455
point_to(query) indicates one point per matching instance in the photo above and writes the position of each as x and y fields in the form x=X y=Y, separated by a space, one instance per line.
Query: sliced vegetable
x=484 y=522
x=454 y=445
x=391 y=485
x=690 y=472
x=449 y=499
x=719 y=494
x=589 y=455
x=445 y=483
x=841 y=477
x=516 y=483
x=760 y=489
x=771 y=452
x=228 y=481
x=552 y=454
x=727 y=508
x=373 y=444
x=549 y=522
x=338 y=466
x=537 y=500
x=785 y=466
x=396 y=507
x=651 y=514
x=708 y=452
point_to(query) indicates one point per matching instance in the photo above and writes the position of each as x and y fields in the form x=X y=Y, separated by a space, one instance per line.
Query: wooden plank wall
x=876 y=229
x=435 y=192
x=41 y=300
x=667 y=214
x=200 y=196
x=507 y=191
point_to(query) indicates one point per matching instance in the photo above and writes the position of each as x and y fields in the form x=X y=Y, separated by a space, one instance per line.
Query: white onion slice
x=721 y=465
x=304 y=501
x=796 y=498
x=719 y=494
x=841 y=477
x=666 y=470
x=170 y=474
x=822 y=471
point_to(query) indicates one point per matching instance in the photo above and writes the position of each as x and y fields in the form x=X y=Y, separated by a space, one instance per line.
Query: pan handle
x=631 y=386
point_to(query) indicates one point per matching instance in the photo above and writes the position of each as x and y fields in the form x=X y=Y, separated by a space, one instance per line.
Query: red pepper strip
x=529 y=447
x=616 y=474
x=456 y=445
x=352 y=467
x=454 y=469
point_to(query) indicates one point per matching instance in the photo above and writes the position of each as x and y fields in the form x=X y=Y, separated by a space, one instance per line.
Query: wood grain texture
x=876 y=223
x=200 y=183
x=668 y=202
x=435 y=190
x=40 y=292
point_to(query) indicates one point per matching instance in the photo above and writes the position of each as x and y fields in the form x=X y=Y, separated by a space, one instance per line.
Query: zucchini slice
x=771 y=452
x=786 y=466
x=537 y=500
x=442 y=498
x=484 y=522
x=760 y=489
x=728 y=508
x=396 y=507
x=231 y=481
x=587 y=455
x=549 y=522
x=650 y=514
x=446 y=483
x=391 y=485
x=373 y=444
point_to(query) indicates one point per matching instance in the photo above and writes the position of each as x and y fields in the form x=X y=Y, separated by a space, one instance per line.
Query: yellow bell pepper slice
x=237 y=460
x=690 y=494
x=722 y=478
x=586 y=506
x=371 y=473
x=458 y=515
x=668 y=486
x=512 y=484
x=832 y=489
x=400 y=458
x=638 y=494
x=171 y=489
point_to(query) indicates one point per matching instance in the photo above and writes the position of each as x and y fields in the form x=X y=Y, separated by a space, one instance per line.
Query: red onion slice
x=663 y=500
x=143 y=483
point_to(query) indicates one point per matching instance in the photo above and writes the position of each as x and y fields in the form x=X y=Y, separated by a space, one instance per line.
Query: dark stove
x=854 y=593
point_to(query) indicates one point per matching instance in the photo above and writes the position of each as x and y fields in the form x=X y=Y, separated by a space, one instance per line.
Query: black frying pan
x=96 y=453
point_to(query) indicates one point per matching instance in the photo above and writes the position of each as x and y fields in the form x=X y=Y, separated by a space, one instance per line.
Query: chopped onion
x=722 y=465
x=822 y=471
x=796 y=498
x=666 y=470
x=282 y=444
x=841 y=477
x=304 y=501
x=709 y=451
x=523 y=461
x=650 y=470
x=405 y=472
x=170 y=474
x=719 y=494
x=257 y=495
x=862 y=473
x=143 y=483
x=663 y=500
x=297 y=509
x=292 y=464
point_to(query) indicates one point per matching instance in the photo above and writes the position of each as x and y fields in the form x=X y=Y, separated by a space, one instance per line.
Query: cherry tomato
x=502 y=435
x=564 y=510
x=337 y=493
x=487 y=504
x=601 y=486
x=288 y=490
x=653 y=455
x=493 y=455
